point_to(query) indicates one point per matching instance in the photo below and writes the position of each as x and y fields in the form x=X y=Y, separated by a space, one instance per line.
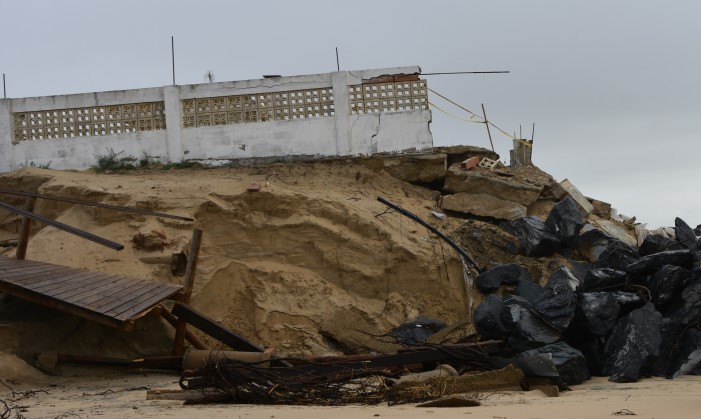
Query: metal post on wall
x=4 y=90
x=338 y=63
x=172 y=56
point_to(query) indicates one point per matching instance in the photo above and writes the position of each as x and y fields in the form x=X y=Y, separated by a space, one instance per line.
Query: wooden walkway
x=110 y=299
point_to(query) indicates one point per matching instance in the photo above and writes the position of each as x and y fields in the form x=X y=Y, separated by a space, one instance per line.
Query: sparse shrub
x=114 y=161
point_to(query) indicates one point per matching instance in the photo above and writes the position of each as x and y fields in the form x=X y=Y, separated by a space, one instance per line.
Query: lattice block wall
x=397 y=96
x=83 y=122
x=261 y=107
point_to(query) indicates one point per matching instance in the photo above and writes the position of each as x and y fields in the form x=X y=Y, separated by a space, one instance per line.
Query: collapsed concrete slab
x=475 y=182
x=413 y=168
x=567 y=188
x=484 y=205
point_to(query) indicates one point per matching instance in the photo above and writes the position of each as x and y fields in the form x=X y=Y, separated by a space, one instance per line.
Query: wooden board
x=114 y=300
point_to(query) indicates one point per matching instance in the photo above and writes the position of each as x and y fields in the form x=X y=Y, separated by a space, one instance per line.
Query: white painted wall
x=340 y=135
x=6 y=152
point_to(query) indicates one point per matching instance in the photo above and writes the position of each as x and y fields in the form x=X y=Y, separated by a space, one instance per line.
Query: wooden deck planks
x=140 y=304
x=111 y=299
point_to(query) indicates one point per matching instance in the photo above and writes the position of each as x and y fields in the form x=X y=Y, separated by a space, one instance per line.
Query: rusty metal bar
x=64 y=227
x=94 y=204
x=433 y=230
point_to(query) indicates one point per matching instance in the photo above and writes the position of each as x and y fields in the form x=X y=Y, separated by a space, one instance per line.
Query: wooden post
x=25 y=229
x=191 y=337
x=181 y=327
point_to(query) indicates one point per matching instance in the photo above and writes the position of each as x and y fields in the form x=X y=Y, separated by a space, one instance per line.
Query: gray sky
x=612 y=86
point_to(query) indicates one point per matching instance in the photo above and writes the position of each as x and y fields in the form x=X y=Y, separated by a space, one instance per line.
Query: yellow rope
x=474 y=115
x=456 y=117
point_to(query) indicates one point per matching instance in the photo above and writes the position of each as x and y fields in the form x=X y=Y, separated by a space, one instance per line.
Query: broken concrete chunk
x=458 y=180
x=441 y=371
x=567 y=188
x=616 y=229
x=416 y=168
x=150 y=240
x=484 y=205
x=601 y=209
x=509 y=274
x=566 y=221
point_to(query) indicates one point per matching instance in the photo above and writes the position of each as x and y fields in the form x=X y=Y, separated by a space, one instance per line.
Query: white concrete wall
x=6 y=151
x=340 y=135
x=82 y=152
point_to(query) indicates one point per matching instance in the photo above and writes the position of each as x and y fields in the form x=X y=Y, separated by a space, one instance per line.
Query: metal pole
x=94 y=204
x=486 y=122
x=64 y=227
x=465 y=72
x=338 y=64
x=172 y=56
x=4 y=90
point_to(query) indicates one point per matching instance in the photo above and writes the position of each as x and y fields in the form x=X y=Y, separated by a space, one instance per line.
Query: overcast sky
x=612 y=86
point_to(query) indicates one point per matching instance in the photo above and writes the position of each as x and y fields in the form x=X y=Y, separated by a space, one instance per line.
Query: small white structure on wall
x=344 y=113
